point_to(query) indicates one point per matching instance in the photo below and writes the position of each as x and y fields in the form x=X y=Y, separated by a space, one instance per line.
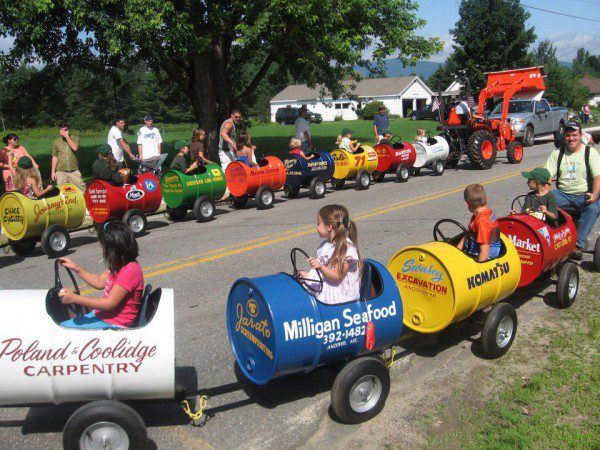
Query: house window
x=338 y=106
x=345 y=105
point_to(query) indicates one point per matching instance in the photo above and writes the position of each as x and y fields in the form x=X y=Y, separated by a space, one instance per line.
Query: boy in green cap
x=106 y=167
x=180 y=161
x=387 y=137
x=344 y=141
x=540 y=202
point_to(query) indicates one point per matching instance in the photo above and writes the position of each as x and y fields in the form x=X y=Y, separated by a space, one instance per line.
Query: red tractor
x=481 y=138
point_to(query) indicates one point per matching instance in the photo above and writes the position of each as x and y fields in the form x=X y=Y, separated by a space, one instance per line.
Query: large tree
x=490 y=35
x=208 y=46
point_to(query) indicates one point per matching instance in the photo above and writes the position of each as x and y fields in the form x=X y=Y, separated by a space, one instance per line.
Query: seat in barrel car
x=150 y=301
x=371 y=284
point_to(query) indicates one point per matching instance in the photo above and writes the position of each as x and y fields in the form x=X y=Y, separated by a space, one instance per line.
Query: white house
x=400 y=95
x=593 y=84
x=453 y=90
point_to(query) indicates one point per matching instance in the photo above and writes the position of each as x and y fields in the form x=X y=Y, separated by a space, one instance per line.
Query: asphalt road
x=201 y=261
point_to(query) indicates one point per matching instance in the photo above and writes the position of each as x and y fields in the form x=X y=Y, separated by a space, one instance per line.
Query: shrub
x=338 y=118
x=369 y=110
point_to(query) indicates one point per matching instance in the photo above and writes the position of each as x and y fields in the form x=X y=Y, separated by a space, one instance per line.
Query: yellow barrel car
x=48 y=219
x=440 y=285
x=358 y=166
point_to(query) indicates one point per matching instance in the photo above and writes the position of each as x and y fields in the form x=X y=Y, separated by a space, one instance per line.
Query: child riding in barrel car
x=106 y=167
x=296 y=149
x=244 y=150
x=483 y=240
x=180 y=160
x=344 y=141
x=387 y=137
x=540 y=202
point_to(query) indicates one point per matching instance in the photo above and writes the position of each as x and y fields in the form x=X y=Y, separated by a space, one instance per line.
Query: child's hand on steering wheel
x=315 y=264
x=66 y=262
x=67 y=296
x=543 y=209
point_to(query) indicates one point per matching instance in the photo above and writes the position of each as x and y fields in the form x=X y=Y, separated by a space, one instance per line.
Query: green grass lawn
x=271 y=139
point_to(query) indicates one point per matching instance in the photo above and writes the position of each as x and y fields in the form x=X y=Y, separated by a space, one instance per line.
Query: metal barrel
x=276 y=327
x=106 y=201
x=348 y=164
x=179 y=189
x=23 y=217
x=245 y=180
x=540 y=246
x=440 y=284
x=299 y=172
x=427 y=153
x=389 y=157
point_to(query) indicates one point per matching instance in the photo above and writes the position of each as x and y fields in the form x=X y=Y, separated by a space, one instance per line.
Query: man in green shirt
x=65 y=168
x=180 y=161
x=576 y=169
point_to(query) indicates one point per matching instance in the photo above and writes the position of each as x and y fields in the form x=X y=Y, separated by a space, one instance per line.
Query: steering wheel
x=520 y=201
x=74 y=308
x=438 y=236
x=299 y=277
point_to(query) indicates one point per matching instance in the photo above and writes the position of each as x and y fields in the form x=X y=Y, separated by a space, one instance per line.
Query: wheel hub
x=364 y=179
x=266 y=197
x=365 y=393
x=136 y=224
x=319 y=188
x=573 y=284
x=104 y=435
x=58 y=241
x=206 y=209
x=504 y=332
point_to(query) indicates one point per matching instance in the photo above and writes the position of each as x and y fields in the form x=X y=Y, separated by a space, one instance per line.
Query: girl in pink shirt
x=123 y=283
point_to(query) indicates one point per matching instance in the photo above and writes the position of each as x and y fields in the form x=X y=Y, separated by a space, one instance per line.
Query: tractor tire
x=482 y=150
x=514 y=152
x=529 y=138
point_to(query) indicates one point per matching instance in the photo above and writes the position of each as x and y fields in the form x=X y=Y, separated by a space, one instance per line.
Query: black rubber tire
x=239 y=202
x=105 y=411
x=567 y=273
x=560 y=133
x=414 y=171
x=474 y=145
x=437 y=166
x=402 y=173
x=495 y=317
x=317 y=188
x=362 y=180
x=378 y=176
x=512 y=153
x=52 y=232
x=130 y=216
x=266 y=192
x=337 y=184
x=206 y=203
x=291 y=192
x=176 y=214
x=348 y=377
x=529 y=137
x=23 y=247
x=596 y=257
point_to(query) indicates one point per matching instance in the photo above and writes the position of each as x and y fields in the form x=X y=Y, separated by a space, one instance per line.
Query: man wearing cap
x=117 y=142
x=381 y=122
x=180 y=161
x=149 y=140
x=105 y=167
x=64 y=166
x=576 y=169
x=302 y=131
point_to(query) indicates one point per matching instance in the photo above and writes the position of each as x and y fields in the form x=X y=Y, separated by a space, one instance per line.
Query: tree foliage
x=586 y=64
x=369 y=111
x=218 y=52
x=490 y=35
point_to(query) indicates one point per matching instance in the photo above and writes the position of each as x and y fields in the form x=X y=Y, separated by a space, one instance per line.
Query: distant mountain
x=395 y=68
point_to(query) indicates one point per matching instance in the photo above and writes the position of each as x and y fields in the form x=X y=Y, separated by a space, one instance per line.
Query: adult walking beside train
x=149 y=140
x=381 y=122
x=576 y=169
x=228 y=138
x=302 y=130
x=118 y=144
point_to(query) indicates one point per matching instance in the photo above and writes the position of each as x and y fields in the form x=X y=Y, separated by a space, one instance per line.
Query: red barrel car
x=395 y=157
x=261 y=182
x=543 y=247
x=128 y=202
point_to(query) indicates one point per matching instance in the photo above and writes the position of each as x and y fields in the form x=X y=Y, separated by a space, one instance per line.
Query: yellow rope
x=390 y=362
x=195 y=416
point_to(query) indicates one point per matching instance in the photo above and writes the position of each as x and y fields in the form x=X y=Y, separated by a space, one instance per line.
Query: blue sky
x=566 y=33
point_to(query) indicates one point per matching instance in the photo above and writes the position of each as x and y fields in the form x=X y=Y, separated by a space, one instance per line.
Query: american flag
x=435 y=105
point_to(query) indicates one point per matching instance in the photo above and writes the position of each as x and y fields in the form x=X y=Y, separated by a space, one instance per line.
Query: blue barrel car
x=312 y=173
x=278 y=327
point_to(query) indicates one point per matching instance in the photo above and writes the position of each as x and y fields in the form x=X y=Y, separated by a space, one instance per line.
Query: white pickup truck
x=533 y=118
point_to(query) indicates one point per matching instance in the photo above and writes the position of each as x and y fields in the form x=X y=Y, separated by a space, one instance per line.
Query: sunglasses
x=237 y=117
x=15 y=139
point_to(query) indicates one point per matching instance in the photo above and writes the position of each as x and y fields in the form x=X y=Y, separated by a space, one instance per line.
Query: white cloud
x=567 y=43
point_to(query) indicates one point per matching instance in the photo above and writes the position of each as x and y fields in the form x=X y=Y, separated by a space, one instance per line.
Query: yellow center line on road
x=179 y=264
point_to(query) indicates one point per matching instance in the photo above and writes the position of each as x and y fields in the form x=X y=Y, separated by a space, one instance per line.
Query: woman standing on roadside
x=17 y=150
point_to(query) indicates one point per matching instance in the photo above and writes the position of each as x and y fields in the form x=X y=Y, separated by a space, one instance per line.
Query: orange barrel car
x=261 y=182
x=358 y=166
x=128 y=202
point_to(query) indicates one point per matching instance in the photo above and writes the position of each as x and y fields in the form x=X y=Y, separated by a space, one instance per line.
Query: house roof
x=593 y=84
x=370 y=87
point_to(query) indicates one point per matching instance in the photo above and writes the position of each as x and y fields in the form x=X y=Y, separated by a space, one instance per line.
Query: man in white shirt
x=302 y=130
x=149 y=140
x=117 y=142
